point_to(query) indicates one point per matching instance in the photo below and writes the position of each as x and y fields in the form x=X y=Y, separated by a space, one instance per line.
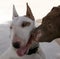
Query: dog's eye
x=24 y=24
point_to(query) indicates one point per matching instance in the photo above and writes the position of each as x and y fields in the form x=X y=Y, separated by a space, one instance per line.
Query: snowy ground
x=51 y=50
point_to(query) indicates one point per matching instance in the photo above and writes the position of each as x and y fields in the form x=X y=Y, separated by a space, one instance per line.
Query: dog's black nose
x=16 y=45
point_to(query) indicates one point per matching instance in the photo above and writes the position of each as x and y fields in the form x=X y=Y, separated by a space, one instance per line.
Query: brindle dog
x=49 y=28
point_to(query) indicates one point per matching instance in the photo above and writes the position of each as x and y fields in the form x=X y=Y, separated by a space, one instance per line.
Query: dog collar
x=33 y=50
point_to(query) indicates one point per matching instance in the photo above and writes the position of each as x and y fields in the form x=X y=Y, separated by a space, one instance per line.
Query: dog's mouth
x=23 y=50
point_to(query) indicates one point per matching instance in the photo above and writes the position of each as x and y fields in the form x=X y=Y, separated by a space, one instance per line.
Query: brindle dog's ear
x=14 y=12
x=29 y=12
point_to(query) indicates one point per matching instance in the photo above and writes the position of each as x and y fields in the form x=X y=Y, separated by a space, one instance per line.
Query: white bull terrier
x=20 y=48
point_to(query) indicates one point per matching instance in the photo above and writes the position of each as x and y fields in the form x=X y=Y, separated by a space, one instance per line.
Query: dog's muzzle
x=28 y=49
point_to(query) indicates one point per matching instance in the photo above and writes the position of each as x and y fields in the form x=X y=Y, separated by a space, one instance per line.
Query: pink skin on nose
x=16 y=38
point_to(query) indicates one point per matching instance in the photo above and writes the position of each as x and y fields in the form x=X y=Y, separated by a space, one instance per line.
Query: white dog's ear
x=29 y=12
x=14 y=12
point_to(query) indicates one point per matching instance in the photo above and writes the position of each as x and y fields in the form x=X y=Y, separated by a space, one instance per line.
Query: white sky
x=39 y=8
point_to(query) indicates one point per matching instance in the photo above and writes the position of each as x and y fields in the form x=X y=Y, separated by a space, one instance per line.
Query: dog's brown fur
x=50 y=27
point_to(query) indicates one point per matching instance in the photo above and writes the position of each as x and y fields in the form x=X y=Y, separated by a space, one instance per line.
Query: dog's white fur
x=23 y=33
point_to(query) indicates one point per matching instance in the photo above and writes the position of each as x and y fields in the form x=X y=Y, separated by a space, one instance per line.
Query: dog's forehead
x=21 y=19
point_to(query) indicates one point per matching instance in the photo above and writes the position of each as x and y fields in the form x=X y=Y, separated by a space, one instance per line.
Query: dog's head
x=21 y=28
x=49 y=28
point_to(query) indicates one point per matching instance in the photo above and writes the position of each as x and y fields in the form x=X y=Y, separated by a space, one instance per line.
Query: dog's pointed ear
x=14 y=12
x=29 y=12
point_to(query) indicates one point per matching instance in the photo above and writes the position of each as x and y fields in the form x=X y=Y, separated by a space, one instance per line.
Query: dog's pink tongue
x=21 y=51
